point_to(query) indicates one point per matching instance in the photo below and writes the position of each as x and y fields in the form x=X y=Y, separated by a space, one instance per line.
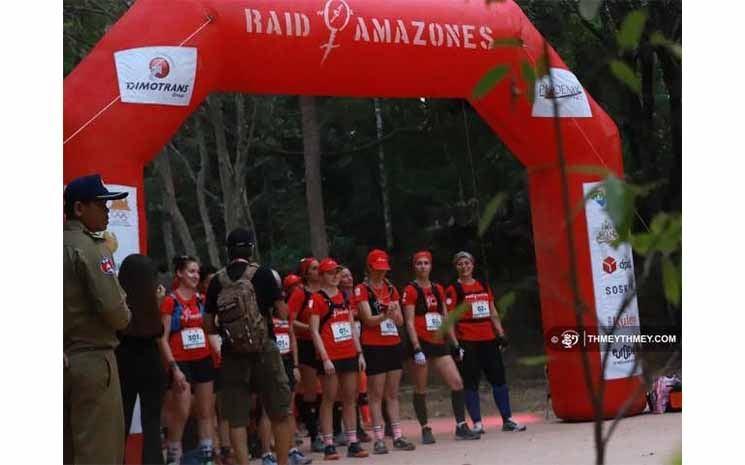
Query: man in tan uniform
x=94 y=309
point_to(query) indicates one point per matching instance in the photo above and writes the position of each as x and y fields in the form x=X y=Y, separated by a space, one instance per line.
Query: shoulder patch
x=107 y=266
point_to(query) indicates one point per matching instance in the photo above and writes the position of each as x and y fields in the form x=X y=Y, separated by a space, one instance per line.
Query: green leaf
x=596 y=170
x=506 y=42
x=452 y=319
x=529 y=76
x=490 y=211
x=659 y=40
x=631 y=30
x=533 y=360
x=671 y=281
x=619 y=205
x=541 y=66
x=504 y=303
x=625 y=74
x=489 y=80
x=642 y=243
x=589 y=8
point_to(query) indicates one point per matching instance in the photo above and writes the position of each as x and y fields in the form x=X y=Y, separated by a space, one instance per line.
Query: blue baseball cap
x=87 y=188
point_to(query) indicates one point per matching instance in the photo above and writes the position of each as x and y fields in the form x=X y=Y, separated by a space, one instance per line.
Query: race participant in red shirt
x=297 y=303
x=424 y=309
x=377 y=303
x=481 y=334
x=184 y=347
x=346 y=286
x=340 y=357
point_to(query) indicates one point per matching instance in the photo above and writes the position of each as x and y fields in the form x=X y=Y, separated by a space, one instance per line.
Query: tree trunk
x=209 y=233
x=163 y=165
x=313 y=189
x=168 y=238
x=231 y=211
x=672 y=78
x=383 y=177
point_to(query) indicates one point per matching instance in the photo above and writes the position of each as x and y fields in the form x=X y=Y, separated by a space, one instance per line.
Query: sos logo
x=621 y=289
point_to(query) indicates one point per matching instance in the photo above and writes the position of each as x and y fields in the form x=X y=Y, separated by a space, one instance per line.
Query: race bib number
x=283 y=343
x=342 y=331
x=480 y=309
x=388 y=328
x=434 y=321
x=193 y=338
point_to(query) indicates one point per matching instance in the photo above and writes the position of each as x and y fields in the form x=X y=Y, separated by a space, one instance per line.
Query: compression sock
x=336 y=409
x=473 y=404
x=396 y=427
x=459 y=406
x=502 y=399
x=378 y=432
x=420 y=407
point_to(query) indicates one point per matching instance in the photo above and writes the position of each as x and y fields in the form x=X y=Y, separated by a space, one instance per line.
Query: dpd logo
x=159 y=67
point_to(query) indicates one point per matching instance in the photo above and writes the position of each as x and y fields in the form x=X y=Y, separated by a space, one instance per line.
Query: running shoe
x=403 y=444
x=329 y=453
x=462 y=432
x=317 y=445
x=172 y=459
x=427 y=436
x=511 y=425
x=478 y=428
x=379 y=447
x=268 y=459
x=206 y=457
x=355 y=450
x=363 y=436
x=297 y=458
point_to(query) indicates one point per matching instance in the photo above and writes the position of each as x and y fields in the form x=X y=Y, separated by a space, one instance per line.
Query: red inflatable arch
x=157 y=64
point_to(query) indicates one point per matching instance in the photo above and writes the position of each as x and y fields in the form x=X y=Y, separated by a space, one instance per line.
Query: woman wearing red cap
x=380 y=312
x=424 y=308
x=340 y=357
x=481 y=334
x=297 y=303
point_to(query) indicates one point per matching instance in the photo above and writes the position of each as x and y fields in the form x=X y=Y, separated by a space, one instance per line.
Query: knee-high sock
x=459 y=405
x=473 y=404
x=309 y=415
x=337 y=418
x=502 y=399
x=420 y=407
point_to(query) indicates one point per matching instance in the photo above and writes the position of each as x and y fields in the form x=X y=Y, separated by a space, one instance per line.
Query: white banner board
x=156 y=75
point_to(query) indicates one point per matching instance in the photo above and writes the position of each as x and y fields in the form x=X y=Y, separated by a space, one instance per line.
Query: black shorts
x=482 y=356
x=344 y=365
x=289 y=366
x=197 y=371
x=434 y=350
x=306 y=353
x=382 y=359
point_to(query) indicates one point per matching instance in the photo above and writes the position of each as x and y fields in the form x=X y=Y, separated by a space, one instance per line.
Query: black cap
x=240 y=237
x=91 y=187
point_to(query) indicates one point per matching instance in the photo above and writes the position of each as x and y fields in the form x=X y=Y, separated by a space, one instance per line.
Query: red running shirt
x=282 y=333
x=429 y=323
x=336 y=325
x=297 y=304
x=475 y=323
x=385 y=333
x=189 y=341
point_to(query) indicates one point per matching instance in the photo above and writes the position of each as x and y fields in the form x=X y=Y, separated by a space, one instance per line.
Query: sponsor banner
x=566 y=91
x=613 y=281
x=160 y=75
x=123 y=233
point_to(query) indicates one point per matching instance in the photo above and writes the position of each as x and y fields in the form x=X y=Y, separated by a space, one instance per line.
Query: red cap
x=290 y=280
x=422 y=254
x=378 y=260
x=328 y=264
x=305 y=264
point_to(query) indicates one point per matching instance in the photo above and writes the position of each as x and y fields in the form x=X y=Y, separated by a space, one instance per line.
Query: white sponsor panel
x=156 y=75
x=123 y=232
x=566 y=91
x=613 y=281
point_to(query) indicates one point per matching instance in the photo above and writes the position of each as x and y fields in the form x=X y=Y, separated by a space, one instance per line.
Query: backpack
x=332 y=306
x=372 y=299
x=421 y=302
x=241 y=323
x=178 y=310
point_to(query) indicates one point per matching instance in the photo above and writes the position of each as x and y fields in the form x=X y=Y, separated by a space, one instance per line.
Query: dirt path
x=644 y=440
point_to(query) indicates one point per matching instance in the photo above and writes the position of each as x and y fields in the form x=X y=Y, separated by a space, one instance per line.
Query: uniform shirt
x=297 y=304
x=94 y=305
x=336 y=330
x=282 y=333
x=385 y=333
x=189 y=342
x=428 y=324
x=475 y=323
x=265 y=284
